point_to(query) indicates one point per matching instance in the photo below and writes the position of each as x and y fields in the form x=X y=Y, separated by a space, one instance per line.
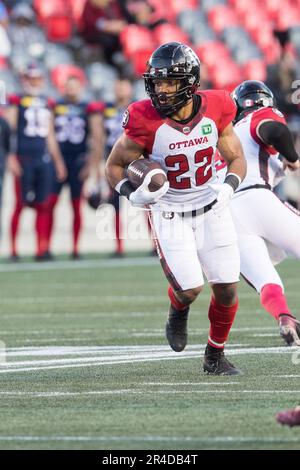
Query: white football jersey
x=185 y=151
x=263 y=164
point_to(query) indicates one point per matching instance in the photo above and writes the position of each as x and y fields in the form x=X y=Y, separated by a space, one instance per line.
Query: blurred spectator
x=145 y=13
x=4 y=150
x=34 y=158
x=77 y=126
x=5 y=47
x=280 y=79
x=102 y=22
x=4 y=20
x=23 y=33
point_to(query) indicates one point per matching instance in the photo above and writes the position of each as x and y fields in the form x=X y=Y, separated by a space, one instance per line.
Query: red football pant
x=274 y=301
x=221 y=319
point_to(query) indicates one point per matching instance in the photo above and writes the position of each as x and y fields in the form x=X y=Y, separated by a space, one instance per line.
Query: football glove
x=224 y=193
x=142 y=196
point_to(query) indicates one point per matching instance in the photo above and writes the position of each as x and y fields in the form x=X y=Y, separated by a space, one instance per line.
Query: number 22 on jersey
x=203 y=161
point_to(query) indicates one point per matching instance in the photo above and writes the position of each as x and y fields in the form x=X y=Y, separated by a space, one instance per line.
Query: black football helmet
x=172 y=61
x=94 y=198
x=250 y=95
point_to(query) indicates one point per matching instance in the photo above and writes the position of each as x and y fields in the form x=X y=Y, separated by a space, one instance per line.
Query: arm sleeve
x=278 y=135
x=229 y=112
x=95 y=107
x=133 y=126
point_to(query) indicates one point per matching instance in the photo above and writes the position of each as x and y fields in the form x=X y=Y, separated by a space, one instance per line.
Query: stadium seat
x=58 y=28
x=207 y=5
x=255 y=69
x=226 y=75
x=221 y=17
x=60 y=74
x=44 y=9
x=57 y=54
x=139 y=60
x=77 y=7
x=189 y=20
x=167 y=33
x=177 y=6
x=101 y=78
x=135 y=38
x=210 y=52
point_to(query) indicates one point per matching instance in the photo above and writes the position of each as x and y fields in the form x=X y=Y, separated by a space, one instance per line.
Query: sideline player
x=29 y=114
x=180 y=127
x=77 y=125
x=267 y=229
x=113 y=117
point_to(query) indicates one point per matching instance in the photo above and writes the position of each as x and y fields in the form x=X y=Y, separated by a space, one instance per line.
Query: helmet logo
x=248 y=103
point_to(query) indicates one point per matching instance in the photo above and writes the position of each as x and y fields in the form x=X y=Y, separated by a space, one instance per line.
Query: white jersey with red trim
x=263 y=164
x=185 y=151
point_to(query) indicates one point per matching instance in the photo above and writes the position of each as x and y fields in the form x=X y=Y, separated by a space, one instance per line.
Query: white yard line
x=179 y=439
x=82 y=264
x=139 y=391
x=118 y=355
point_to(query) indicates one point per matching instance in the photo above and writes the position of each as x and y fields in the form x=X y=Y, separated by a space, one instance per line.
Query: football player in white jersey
x=267 y=229
x=180 y=127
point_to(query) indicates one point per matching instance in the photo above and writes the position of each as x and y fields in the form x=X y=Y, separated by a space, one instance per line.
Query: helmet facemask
x=170 y=103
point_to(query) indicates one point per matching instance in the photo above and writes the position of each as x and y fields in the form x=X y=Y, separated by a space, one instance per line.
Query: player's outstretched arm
x=231 y=150
x=278 y=135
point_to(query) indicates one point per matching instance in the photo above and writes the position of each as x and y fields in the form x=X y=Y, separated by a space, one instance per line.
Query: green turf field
x=87 y=365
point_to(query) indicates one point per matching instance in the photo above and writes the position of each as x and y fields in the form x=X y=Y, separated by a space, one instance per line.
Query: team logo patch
x=168 y=215
x=125 y=118
x=186 y=130
x=206 y=129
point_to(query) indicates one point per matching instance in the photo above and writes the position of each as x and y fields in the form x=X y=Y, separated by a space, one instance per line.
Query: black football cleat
x=215 y=363
x=289 y=329
x=176 y=328
x=46 y=256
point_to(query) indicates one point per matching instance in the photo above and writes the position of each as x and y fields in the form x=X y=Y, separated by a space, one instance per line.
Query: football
x=139 y=169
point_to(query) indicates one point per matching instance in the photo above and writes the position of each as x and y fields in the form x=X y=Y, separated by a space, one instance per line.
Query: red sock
x=118 y=229
x=174 y=301
x=221 y=319
x=53 y=198
x=274 y=301
x=14 y=224
x=76 y=223
x=42 y=227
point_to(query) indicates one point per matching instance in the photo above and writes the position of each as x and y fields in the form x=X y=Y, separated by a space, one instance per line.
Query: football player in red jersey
x=267 y=229
x=77 y=127
x=180 y=128
x=29 y=114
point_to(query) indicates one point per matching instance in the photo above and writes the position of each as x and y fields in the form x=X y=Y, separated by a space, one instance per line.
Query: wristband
x=233 y=180
x=124 y=187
